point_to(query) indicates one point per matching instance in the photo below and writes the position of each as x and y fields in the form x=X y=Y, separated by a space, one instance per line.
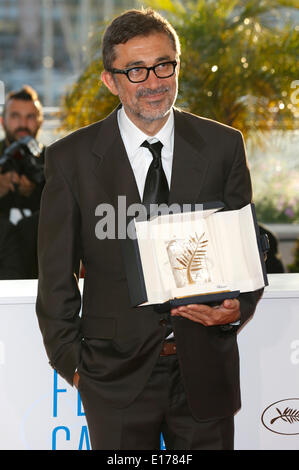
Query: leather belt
x=168 y=348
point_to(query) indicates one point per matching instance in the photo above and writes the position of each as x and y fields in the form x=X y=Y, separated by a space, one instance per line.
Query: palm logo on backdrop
x=282 y=417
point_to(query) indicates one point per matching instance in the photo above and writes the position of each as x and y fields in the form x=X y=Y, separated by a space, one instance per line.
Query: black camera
x=25 y=157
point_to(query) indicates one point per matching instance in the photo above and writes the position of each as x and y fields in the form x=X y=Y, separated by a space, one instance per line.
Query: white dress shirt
x=140 y=157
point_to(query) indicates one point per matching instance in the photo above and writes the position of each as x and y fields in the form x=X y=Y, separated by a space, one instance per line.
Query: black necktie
x=156 y=189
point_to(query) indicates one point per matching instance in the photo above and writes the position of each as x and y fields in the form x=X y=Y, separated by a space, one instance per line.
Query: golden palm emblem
x=193 y=257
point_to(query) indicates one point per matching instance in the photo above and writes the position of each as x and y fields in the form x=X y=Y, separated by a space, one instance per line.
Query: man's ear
x=108 y=80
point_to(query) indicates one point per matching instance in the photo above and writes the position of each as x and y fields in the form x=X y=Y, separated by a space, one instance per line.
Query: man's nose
x=23 y=121
x=152 y=79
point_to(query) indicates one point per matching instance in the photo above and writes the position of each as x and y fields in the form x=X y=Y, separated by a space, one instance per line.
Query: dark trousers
x=161 y=407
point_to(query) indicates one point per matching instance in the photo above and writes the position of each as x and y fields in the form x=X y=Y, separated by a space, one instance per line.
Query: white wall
x=39 y=410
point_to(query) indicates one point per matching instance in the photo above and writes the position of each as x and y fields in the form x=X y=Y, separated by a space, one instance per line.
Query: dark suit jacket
x=11 y=266
x=114 y=345
x=27 y=233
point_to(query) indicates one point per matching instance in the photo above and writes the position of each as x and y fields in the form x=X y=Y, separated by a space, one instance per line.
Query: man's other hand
x=7 y=181
x=76 y=379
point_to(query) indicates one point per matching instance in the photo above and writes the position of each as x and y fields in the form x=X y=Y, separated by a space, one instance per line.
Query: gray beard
x=151 y=116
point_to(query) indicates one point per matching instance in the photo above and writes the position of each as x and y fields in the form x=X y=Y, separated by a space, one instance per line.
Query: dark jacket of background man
x=11 y=263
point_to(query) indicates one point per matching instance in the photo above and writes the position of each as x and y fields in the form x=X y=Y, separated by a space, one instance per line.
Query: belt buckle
x=168 y=348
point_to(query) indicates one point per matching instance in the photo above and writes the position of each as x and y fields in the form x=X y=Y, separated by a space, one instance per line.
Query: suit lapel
x=111 y=165
x=190 y=162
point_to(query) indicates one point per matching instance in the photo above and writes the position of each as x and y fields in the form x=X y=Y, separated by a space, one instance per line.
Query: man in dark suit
x=135 y=383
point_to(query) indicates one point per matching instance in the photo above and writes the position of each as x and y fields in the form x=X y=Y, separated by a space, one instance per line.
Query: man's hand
x=26 y=186
x=7 y=181
x=11 y=178
x=227 y=312
x=76 y=379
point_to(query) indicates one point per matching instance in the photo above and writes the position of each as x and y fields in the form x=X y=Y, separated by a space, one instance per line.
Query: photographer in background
x=21 y=178
x=21 y=175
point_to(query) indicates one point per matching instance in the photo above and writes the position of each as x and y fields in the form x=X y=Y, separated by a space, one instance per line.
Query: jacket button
x=163 y=322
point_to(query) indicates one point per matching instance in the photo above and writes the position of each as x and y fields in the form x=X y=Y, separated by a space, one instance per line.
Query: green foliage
x=237 y=62
x=239 y=58
x=269 y=211
x=88 y=101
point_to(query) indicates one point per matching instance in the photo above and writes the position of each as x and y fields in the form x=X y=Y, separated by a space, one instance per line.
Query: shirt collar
x=133 y=137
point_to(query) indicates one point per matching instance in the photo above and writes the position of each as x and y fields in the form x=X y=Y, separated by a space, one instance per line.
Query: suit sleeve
x=237 y=194
x=238 y=188
x=58 y=302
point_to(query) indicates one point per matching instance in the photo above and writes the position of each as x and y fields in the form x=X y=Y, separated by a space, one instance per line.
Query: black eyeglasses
x=140 y=74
